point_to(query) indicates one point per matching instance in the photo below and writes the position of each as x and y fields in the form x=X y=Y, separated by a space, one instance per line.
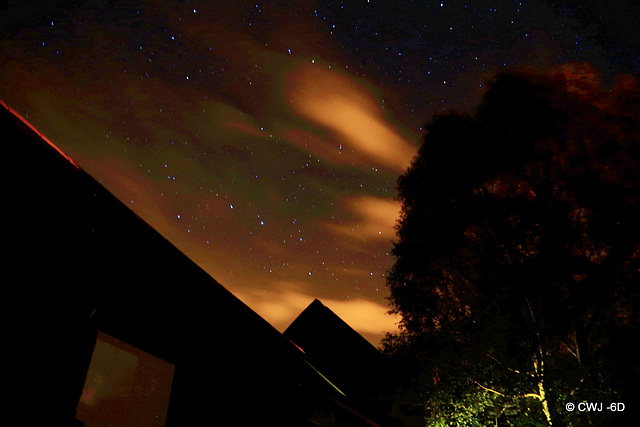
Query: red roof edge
x=38 y=133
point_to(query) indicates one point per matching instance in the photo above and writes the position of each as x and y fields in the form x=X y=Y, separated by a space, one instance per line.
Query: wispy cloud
x=347 y=111
x=368 y=318
x=373 y=218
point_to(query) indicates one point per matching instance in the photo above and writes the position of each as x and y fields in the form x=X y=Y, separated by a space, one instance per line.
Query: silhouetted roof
x=337 y=350
x=81 y=261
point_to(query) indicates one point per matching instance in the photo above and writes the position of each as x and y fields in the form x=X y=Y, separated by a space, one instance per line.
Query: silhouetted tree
x=517 y=264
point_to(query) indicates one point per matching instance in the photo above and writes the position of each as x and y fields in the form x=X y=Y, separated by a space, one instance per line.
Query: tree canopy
x=517 y=263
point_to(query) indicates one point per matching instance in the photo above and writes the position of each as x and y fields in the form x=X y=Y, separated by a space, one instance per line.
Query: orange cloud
x=346 y=109
x=368 y=318
x=375 y=218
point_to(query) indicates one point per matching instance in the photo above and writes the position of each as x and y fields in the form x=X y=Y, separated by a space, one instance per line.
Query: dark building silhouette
x=80 y=265
x=355 y=366
x=335 y=348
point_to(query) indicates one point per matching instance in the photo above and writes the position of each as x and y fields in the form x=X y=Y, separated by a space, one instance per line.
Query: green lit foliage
x=517 y=264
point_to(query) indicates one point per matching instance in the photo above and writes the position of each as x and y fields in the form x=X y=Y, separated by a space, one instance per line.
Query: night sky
x=264 y=139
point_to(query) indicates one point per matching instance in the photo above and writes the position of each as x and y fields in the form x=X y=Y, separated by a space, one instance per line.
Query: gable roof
x=348 y=360
x=81 y=261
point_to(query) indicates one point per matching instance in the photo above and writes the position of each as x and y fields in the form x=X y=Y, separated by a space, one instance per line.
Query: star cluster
x=264 y=139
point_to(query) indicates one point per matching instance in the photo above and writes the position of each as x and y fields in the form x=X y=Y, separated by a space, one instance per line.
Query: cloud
x=280 y=308
x=347 y=110
x=366 y=317
x=374 y=218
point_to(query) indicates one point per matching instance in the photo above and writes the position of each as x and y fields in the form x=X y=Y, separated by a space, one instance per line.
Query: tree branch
x=511 y=396
x=495 y=359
